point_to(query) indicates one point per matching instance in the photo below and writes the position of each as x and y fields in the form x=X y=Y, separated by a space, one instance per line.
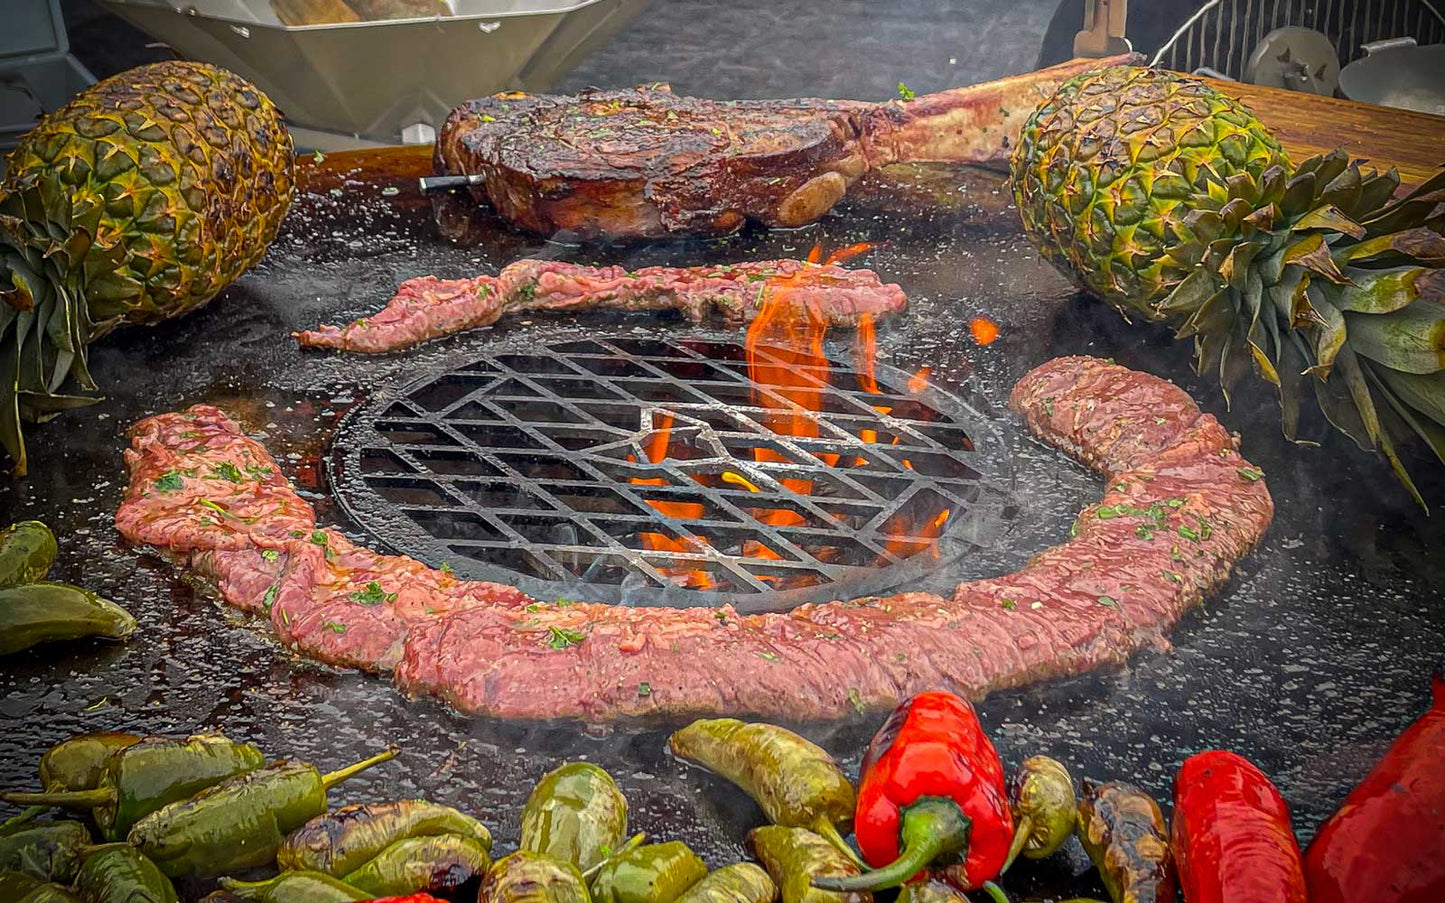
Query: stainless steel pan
x=1398 y=73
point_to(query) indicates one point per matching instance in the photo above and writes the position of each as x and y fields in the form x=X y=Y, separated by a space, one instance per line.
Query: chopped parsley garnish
x=170 y=481
x=447 y=568
x=527 y=292
x=856 y=700
x=269 y=599
x=906 y=92
x=1173 y=576
x=373 y=595
x=534 y=607
x=297 y=534
x=318 y=537
x=487 y=118
x=228 y=471
x=770 y=656
x=1008 y=604
x=1251 y=474
x=258 y=471
x=1188 y=533
x=644 y=689
x=334 y=626
x=319 y=157
x=1108 y=601
x=270 y=554
x=562 y=637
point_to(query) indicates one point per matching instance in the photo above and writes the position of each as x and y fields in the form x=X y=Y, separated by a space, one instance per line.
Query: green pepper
x=151 y=773
x=795 y=856
x=1124 y=834
x=437 y=863
x=575 y=813
x=78 y=763
x=741 y=882
x=14 y=885
x=50 y=852
x=796 y=782
x=50 y=893
x=119 y=873
x=240 y=822
x=930 y=889
x=1041 y=794
x=527 y=877
x=296 y=887
x=47 y=612
x=74 y=764
x=27 y=550
x=655 y=873
x=341 y=841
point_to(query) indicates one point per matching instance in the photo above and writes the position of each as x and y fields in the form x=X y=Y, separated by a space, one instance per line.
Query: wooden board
x=1413 y=143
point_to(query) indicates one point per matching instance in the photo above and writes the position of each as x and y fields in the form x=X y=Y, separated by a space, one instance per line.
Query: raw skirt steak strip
x=1180 y=508
x=428 y=307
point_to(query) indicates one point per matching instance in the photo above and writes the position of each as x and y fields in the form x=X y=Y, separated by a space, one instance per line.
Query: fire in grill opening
x=660 y=471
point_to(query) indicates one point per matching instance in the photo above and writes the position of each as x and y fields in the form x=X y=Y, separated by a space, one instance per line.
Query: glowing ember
x=919 y=381
x=984 y=330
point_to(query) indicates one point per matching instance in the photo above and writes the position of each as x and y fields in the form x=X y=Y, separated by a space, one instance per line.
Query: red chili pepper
x=933 y=783
x=413 y=898
x=1386 y=842
x=1232 y=838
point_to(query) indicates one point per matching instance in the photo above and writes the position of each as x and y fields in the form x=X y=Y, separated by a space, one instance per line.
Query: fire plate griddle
x=543 y=469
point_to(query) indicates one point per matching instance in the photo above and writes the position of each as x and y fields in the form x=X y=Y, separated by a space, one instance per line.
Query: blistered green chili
x=795 y=856
x=27 y=550
x=37 y=613
x=741 y=882
x=240 y=822
x=49 y=852
x=436 y=864
x=576 y=813
x=138 y=779
x=119 y=873
x=527 y=877
x=1041 y=794
x=296 y=887
x=653 y=873
x=342 y=841
x=795 y=781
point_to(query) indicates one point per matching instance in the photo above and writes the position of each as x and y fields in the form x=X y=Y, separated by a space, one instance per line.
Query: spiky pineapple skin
x=181 y=172
x=1104 y=169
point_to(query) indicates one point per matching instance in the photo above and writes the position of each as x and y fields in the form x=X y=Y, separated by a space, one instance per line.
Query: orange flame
x=919 y=381
x=656 y=451
x=984 y=330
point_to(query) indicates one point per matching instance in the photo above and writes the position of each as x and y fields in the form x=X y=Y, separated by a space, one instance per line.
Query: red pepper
x=1232 y=838
x=1386 y=842
x=413 y=898
x=933 y=783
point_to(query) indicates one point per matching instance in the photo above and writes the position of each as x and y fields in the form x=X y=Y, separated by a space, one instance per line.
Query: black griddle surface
x=1309 y=662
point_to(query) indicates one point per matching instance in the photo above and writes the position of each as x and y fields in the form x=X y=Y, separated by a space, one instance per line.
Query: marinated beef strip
x=427 y=307
x=1180 y=508
x=645 y=163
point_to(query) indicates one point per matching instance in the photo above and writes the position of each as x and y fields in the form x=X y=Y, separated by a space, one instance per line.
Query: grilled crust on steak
x=644 y=162
x=426 y=307
x=1180 y=508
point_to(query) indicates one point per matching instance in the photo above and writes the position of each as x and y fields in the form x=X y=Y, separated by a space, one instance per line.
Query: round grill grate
x=544 y=469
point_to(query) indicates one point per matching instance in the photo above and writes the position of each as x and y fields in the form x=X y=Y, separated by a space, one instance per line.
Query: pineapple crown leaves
x=1321 y=278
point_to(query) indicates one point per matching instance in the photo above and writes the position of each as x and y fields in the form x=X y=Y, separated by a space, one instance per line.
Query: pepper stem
x=331 y=779
x=248 y=890
x=66 y=799
x=995 y=893
x=829 y=832
x=633 y=843
x=932 y=827
x=1021 y=837
x=17 y=822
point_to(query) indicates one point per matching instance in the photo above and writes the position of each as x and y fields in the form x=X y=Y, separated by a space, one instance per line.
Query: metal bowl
x=385 y=80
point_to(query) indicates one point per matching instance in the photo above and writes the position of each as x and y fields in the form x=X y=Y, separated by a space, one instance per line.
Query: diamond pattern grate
x=537 y=469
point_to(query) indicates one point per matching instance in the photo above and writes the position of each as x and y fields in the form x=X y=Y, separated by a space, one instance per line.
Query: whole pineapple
x=1171 y=201
x=136 y=202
